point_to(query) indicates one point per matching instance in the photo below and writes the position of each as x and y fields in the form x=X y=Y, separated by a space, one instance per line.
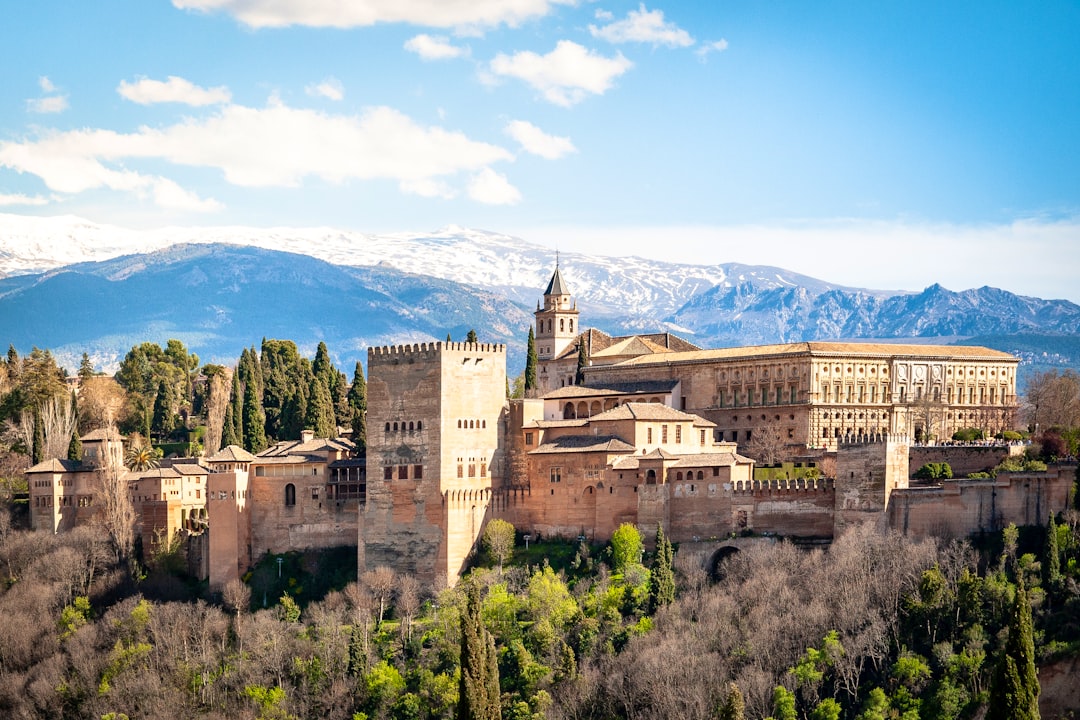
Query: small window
x=648 y=435
x=290 y=495
x=403 y=472
x=663 y=434
x=388 y=473
x=472 y=469
x=418 y=472
x=556 y=474
x=483 y=469
x=314 y=493
x=528 y=438
x=387 y=427
x=419 y=425
x=678 y=434
x=460 y=470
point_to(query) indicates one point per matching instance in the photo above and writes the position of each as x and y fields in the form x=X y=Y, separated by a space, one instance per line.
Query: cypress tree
x=322 y=366
x=1014 y=687
x=231 y=432
x=163 y=403
x=320 y=410
x=530 y=364
x=75 y=446
x=37 y=450
x=478 y=689
x=661 y=575
x=582 y=362
x=358 y=402
x=1053 y=556
x=471 y=337
x=254 y=421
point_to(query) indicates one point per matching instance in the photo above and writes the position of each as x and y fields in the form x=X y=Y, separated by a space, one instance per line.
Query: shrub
x=934 y=471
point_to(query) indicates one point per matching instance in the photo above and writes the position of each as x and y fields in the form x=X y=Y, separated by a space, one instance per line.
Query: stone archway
x=719 y=558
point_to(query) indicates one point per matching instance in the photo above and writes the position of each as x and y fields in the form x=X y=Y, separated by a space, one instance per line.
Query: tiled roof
x=584 y=443
x=101 y=434
x=299 y=447
x=650 y=411
x=56 y=466
x=645 y=387
x=708 y=459
x=166 y=472
x=826 y=349
x=232 y=453
x=190 y=469
x=557 y=286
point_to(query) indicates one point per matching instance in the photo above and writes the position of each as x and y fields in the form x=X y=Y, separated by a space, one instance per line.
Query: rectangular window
x=556 y=474
x=314 y=493
x=528 y=438
x=648 y=435
x=702 y=439
x=663 y=433
x=720 y=398
x=403 y=472
x=678 y=434
x=198 y=494
x=460 y=470
x=418 y=472
x=472 y=469
x=483 y=469
x=388 y=473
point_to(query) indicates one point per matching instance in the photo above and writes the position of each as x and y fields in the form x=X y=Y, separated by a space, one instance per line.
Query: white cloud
x=566 y=74
x=330 y=88
x=604 y=15
x=145 y=91
x=360 y=13
x=491 y=188
x=19 y=199
x=718 y=46
x=276 y=146
x=46 y=84
x=534 y=140
x=643 y=26
x=434 y=47
x=48 y=105
x=427 y=187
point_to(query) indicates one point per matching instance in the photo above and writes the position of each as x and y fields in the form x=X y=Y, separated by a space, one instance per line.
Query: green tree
x=733 y=707
x=498 y=540
x=254 y=420
x=141 y=458
x=322 y=367
x=320 y=410
x=86 y=368
x=358 y=402
x=1014 y=687
x=471 y=337
x=582 y=362
x=827 y=709
x=162 y=421
x=1052 y=564
x=75 y=445
x=783 y=704
x=232 y=432
x=530 y=364
x=37 y=450
x=626 y=547
x=478 y=690
x=662 y=575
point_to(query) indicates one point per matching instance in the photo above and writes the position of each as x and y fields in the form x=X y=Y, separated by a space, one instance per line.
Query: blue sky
x=876 y=144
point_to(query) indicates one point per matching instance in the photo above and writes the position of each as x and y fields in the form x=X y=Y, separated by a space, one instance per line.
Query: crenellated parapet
x=782 y=486
x=873 y=438
x=430 y=351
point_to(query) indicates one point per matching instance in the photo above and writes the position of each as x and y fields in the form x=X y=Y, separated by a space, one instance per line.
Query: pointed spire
x=557 y=286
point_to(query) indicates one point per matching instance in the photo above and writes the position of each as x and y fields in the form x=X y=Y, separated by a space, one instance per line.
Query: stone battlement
x=778 y=486
x=430 y=351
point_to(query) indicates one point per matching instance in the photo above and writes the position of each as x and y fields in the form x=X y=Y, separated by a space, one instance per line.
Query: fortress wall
x=229 y=536
x=312 y=522
x=958 y=508
x=868 y=471
x=963 y=459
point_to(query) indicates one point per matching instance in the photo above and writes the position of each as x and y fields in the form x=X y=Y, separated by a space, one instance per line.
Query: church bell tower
x=556 y=321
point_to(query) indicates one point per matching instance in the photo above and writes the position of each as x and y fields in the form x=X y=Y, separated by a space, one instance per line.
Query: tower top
x=557 y=286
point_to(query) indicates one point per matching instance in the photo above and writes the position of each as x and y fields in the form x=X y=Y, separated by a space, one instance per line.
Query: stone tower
x=556 y=322
x=433 y=451
x=868 y=469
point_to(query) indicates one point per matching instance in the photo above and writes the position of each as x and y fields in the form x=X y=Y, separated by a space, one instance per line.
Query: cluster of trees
x=162 y=395
x=1052 y=412
x=877 y=626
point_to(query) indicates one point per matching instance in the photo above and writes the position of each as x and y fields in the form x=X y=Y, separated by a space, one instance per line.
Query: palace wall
x=963 y=459
x=958 y=508
x=311 y=521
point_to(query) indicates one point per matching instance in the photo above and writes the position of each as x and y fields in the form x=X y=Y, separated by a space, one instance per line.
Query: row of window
x=751 y=396
x=472 y=470
x=551 y=326
x=64 y=501
x=403 y=472
x=664 y=435
x=411 y=426
x=471 y=424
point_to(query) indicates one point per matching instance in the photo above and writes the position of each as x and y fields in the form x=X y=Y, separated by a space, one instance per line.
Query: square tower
x=556 y=322
x=433 y=418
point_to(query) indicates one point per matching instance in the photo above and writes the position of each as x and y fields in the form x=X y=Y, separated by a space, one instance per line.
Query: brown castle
x=655 y=434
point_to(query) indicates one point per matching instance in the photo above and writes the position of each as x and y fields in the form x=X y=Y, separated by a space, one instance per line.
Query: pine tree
x=1014 y=687
x=733 y=707
x=320 y=410
x=530 y=364
x=661 y=576
x=254 y=420
x=582 y=362
x=471 y=337
x=478 y=689
x=358 y=402
x=322 y=366
x=86 y=368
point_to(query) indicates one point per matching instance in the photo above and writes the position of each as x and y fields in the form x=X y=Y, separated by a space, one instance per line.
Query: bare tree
x=217 y=402
x=101 y=401
x=766 y=446
x=380 y=582
x=1052 y=399
x=118 y=514
x=406 y=604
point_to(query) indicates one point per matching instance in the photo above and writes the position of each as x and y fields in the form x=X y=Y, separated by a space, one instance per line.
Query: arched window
x=700 y=475
x=571 y=325
x=387 y=427
x=483 y=423
x=472 y=424
x=290 y=495
x=459 y=424
x=650 y=477
x=411 y=428
x=562 y=325
x=395 y=427
x=568 y=411
x=419 y=425
x=678 y=476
